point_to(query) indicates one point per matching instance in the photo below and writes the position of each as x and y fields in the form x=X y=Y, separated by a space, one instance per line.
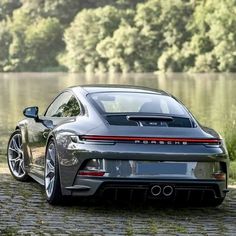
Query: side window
x=72 y=107
x=65 y=105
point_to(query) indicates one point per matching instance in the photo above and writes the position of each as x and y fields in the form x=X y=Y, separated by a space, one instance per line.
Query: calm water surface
x=211 y=97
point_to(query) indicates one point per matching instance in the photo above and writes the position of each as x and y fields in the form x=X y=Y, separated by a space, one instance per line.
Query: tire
x=15 y=157
x=51 y=170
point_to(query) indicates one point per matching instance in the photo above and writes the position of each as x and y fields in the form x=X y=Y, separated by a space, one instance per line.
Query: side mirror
x=31 y=112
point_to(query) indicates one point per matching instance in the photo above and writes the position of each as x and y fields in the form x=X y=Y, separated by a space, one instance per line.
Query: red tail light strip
x=91 y=173
x=127 y=138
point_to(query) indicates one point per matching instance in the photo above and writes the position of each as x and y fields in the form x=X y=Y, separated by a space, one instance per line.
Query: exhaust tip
x=168 y=190
x=156 y=190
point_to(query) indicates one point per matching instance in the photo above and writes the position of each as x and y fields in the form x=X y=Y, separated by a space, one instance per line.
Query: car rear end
x=152 y=168
x=145 y=154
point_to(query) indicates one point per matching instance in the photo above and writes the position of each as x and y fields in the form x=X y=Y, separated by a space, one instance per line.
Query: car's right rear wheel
x=52 y=175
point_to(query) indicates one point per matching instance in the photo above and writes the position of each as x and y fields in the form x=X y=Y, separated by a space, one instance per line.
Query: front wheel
x=51 y=175
x=15 y=157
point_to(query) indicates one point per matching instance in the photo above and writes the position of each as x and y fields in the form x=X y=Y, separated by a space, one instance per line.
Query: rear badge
x=160 y=142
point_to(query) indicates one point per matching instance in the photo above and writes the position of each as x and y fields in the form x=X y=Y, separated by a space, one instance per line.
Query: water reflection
x=211 y=97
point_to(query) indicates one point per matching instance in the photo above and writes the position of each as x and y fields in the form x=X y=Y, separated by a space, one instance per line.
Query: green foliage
x=118 y=35
x=86 y=31
x=42 y=43
x=232 y=172
x=214 y=33
x=230 y=137
x=135 y=40
x=164 y=25
x=65 y=11
x=123 y=51
x=35 y=42
x=5 y=40
x=7 y=7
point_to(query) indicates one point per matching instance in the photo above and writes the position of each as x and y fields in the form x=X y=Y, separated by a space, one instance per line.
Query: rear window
x=143 y=103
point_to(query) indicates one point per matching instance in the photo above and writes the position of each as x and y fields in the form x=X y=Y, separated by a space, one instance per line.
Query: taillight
x=91 y=173
x=219 y=175
x=218 y=171
x=151 y=140
x=93 y=167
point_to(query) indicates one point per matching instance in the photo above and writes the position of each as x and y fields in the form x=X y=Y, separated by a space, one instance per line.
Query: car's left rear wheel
x=15 y=157
x=52 y=176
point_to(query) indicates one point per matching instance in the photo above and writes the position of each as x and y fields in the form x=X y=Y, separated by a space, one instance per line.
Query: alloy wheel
x=16 y=156
x=50 y=170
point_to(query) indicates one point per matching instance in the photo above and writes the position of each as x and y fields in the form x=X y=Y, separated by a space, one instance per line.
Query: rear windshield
x=121 y=102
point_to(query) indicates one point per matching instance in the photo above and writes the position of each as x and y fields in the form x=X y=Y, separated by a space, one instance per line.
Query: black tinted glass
x=65 y=105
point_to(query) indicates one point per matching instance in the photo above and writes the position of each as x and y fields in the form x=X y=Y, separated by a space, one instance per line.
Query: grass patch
x=232 y=172
x=9 y=231
x=153 y=227
x=129 y=229
x=3 y=160
x=3 y=164
x=2 y=152
x=180 y=229
x=230 y=140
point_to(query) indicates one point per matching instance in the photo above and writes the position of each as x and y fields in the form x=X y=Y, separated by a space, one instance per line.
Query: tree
x=118 y=35
x=5 y=41
x=19 y=22
x=35 y=43
x=164 y=26
x=85 y=32
x=43 y=43
x=7 y=7
x=64 y=11
x=122 y=50
x=214 y=36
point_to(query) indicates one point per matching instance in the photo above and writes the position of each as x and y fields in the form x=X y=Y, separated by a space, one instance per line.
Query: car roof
x=117 y=88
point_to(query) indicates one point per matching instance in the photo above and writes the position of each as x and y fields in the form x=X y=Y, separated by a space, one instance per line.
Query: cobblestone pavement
x=24 y=211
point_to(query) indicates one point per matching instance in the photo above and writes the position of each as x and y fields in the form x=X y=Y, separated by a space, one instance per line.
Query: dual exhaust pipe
x=157 y=190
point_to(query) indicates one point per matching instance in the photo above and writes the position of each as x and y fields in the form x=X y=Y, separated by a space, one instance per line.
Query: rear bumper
x=184 y=190
x=121 y=175
x=199 y=159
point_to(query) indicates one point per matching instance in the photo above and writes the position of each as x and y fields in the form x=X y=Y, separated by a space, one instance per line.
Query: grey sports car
x=119 y=142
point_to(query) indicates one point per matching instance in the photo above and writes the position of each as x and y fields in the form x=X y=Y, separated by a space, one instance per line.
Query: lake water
x=211 y=97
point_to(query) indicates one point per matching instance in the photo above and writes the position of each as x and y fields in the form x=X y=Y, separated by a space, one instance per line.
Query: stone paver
x=24 y=211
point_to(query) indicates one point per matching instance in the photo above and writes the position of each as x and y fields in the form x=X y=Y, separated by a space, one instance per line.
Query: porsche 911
x=119 y=142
